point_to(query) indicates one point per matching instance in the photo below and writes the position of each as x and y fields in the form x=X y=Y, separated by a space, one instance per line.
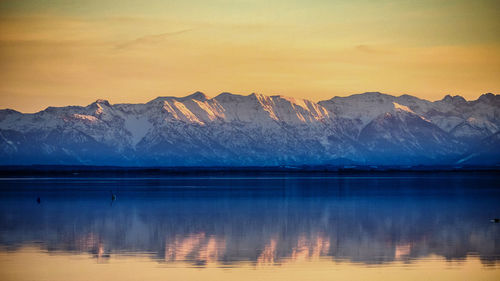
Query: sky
x=58 y=52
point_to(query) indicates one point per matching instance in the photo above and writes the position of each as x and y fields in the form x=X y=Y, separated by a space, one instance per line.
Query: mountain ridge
x=256 y=129
x=484 y=96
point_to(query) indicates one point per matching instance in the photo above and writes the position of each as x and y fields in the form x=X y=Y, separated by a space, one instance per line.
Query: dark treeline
x=83 y=170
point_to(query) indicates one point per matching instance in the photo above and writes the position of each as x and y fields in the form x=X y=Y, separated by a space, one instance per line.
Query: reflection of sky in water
x=227 y=222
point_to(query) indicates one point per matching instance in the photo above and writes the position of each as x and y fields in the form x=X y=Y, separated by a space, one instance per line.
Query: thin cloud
x=152 y=39
x=372 y=50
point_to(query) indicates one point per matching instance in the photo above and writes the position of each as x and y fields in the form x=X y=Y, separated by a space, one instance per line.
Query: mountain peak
x=226 y=96
x=102 y=102
x=375 y=94
x=9 y=111
x=489 y=97
x=197 y=96
x=454 y=99
x=360 y=96
x=194 y=96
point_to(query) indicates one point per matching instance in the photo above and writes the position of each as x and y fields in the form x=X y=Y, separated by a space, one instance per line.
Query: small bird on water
x=113 y=197
x=38 y=200
x=495 y=220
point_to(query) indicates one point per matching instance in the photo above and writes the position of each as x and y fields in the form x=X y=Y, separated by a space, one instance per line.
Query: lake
x=277 y=227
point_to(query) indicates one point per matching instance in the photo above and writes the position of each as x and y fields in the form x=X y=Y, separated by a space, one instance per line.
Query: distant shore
x=83 y=170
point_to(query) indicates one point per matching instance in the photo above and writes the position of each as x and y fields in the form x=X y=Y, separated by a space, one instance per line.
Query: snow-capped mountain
x=229 y=129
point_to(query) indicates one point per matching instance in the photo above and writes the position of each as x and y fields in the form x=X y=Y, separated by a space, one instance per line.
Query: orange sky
x=60 y=53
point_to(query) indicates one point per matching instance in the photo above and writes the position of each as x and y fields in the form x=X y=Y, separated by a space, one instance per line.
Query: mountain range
x=258 y=130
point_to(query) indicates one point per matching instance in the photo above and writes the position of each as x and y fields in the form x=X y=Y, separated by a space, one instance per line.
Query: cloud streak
x=151 y=39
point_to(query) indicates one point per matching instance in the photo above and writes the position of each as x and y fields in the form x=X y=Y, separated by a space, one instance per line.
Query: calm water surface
x=415 y=227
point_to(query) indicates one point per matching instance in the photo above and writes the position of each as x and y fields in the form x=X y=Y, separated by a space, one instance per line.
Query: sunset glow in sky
x=59 y=52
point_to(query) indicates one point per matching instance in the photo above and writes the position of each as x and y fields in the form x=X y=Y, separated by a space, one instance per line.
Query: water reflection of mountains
x=358 y=220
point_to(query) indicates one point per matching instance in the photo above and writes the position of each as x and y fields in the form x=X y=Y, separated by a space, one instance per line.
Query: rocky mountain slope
x=229 y=129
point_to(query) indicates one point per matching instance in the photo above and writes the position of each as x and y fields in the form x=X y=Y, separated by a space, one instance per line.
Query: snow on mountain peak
x=88 y=118
x=186 y=113
x=402 y=107
x=252 y=129
x=138 y=127
x=103 y=102
x=293 y=101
